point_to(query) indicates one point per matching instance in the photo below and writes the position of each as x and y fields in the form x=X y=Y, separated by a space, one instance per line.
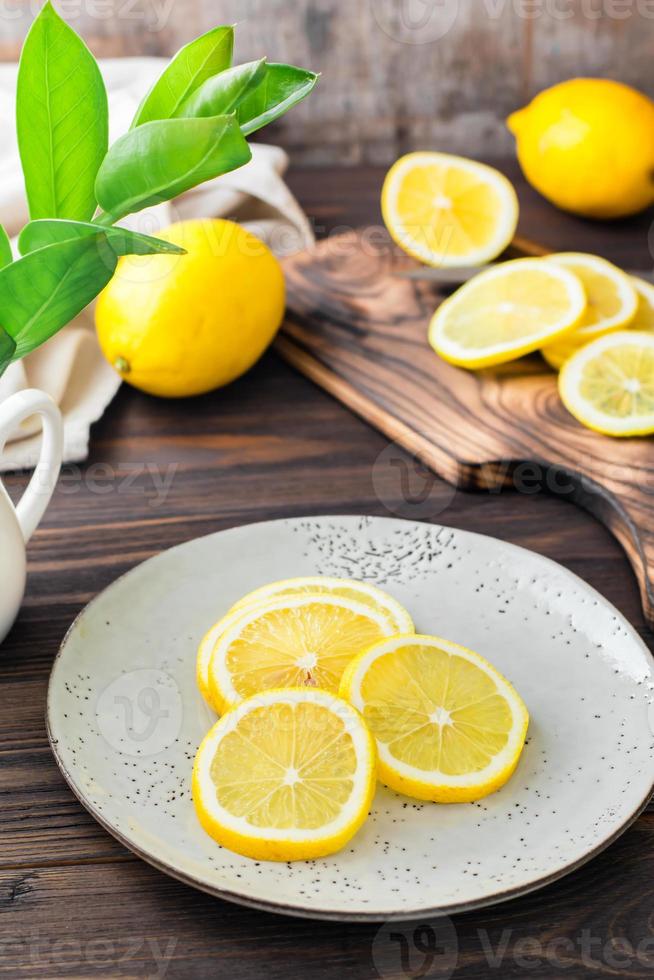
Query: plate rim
x=334 y=915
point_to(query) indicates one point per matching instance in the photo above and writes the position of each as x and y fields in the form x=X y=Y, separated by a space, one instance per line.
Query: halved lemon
x=612 y=302
x=608 y=385
x=288 y=775
x=291 y=641
x=507 y=311
x=369 y=595
x=448 y=726
x=449 y=211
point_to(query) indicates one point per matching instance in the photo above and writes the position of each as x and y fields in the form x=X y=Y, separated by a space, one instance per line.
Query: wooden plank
x=397 y=75
x=127 y=920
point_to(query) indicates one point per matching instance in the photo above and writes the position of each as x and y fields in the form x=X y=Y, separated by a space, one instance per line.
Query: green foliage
x=41 y=292
x=190 y=127
x=49 y=231
x=62 y=120
x=208 y=55
x=223 y=93
x=178 y=154
x=7 y=350
x=283 y=86
x=6 y=255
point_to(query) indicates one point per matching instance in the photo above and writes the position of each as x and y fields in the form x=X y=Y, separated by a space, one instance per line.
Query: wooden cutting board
x=358 y=330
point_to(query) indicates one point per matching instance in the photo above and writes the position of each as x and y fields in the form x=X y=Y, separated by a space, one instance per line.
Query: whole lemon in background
x=180 y=325
x=588 y=146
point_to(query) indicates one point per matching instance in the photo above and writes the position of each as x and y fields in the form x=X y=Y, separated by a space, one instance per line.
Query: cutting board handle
x=629 y=518
x=357 y=326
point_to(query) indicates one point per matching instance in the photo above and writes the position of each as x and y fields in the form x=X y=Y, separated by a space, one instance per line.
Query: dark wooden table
x=73 y=902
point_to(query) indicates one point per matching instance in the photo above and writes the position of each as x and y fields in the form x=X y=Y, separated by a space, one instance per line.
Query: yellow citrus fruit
x=447 y=210
x=448 y=726
x=608 y=385
x=179 y=325
x=612 y=302
x=302 y=640
x=644 y=318
x=507 y=311
x=288 y=775
x=396 y=615
x=588 y=146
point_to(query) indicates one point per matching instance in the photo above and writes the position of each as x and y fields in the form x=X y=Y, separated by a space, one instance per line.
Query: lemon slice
x=644 y=318
x=369 y=595
x=291 y=641
x=448 y=726
x=205 y=651
x=287 y=775
x=608 y=385
x=507 y=311
x=363 y=592
x=447 y=210
x=557 y=354
x=612 y=302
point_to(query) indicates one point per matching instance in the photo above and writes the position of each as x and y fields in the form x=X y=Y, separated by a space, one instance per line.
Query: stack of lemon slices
x=589 y=319
x=323 y=686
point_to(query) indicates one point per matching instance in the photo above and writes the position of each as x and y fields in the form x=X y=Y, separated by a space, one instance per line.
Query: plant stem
x=106 y=220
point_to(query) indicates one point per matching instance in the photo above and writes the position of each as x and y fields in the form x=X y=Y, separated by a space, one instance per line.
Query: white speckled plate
x=125 y=718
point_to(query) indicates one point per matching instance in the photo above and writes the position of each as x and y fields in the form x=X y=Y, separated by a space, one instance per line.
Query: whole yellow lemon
x=588 y=146
x=179 y=325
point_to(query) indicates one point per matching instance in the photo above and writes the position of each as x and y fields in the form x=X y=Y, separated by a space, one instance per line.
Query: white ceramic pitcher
x=17 y=524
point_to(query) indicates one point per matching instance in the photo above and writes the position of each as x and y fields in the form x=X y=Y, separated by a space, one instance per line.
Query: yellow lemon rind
x=397 y=614
x=621 y=281
x=441 y=788
x=269 y=844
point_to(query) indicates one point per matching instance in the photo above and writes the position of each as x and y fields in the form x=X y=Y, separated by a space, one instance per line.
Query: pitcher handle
x=36 y=498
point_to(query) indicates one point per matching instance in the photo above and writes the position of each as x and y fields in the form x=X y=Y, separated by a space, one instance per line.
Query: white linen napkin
x=70 y=366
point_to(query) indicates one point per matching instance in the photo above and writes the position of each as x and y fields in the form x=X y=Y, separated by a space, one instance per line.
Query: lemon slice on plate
x=205 y=651
x=507 y=311
x=612 y=302
x=447 y=210
x=287 y=775
x=448 y=726
x=291 y=641
x=608 y=385
x=363 y=592
x=369 y=595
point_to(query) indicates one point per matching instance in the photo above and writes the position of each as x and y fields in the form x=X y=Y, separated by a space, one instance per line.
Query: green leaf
x=194 y=64
x=39 y=234
x=223 y=93
x=7 y=349
x=41 y=292
x=283 y=86
x=6 y=255
x=62 y=120
x=160 y=160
